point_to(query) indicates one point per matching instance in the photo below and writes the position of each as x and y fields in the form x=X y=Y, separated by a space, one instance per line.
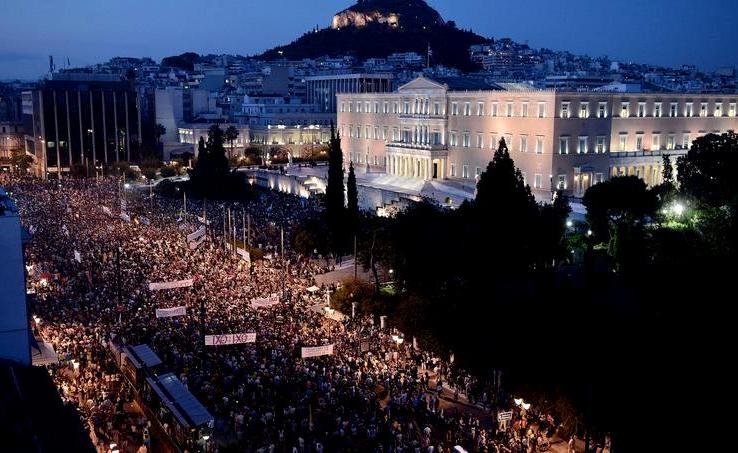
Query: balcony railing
x=421 y=146
x=422 y=116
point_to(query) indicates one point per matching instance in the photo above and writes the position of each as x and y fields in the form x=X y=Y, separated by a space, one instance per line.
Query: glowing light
x=569 y=223
x=518 y=401
x=678 y=209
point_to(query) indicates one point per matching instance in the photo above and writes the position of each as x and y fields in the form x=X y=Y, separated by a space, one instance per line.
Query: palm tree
x=159 y=130
x=231 y=134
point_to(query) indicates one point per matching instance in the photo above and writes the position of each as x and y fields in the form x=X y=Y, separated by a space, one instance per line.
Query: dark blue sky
x=667 y=32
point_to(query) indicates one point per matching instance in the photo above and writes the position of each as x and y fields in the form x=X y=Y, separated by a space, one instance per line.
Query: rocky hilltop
x=395 y=13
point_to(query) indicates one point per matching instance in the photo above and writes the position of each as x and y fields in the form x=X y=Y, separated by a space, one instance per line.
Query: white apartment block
x=558 y=140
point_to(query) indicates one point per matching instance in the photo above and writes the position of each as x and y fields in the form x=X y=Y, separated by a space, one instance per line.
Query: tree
x=550 y=247
x=505 y=210
x=352 y=206
x=231 y=134
x=618 y=201
x=20 y=161
x=668 y=171
x=707 y=172
x=334 y=192
x=210 y=176
x=159 y=130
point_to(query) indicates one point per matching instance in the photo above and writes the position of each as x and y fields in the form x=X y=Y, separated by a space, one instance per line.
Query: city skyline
x=653 y=33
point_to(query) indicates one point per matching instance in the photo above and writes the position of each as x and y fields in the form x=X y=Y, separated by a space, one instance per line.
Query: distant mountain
x=378 y=28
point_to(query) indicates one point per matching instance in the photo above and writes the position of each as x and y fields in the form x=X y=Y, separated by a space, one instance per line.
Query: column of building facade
x=56 y=135
x=69 y=130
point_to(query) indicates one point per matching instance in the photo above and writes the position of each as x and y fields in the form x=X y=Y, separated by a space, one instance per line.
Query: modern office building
x=81 y=119
x=322 y=89
x=559 y=140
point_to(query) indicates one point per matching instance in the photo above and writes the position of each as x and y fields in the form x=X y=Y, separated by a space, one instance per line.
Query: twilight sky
x=666 y=32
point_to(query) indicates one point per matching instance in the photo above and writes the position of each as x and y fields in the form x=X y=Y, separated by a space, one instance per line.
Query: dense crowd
x=263 y=396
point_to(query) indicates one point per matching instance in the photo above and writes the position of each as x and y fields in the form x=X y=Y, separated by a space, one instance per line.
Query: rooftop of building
x=7 y=205
x=32 y=415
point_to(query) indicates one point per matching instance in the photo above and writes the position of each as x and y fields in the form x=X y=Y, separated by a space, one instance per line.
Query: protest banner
x=157 y=286
x=265 y=301
x=170 y=312
x=317 y=351
x=230 y=338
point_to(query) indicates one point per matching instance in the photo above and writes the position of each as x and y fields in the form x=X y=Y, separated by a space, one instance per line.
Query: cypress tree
x=352 y=194
x=334 y=192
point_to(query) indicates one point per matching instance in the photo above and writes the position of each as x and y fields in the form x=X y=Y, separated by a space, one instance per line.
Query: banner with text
x=317 y=351
x=230 y=338
x=170 y=312
x=244 y=254
x=196 y=243
x=265 y=301
x=157 y=286
x=196 y=235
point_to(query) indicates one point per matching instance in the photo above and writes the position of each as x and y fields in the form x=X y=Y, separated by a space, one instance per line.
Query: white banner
x=265 y=301
x=170 y=312
x=78 y=256
x=125 y=217
x=317 y=351
x=230 y=338
x=107 y=211
x=203 y=221
x=170 y=285
x=502 y=416
x=196 y=243
x=196 y=235
x=244 y=254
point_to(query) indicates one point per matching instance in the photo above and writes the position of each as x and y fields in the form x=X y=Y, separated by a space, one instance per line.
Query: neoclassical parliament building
x=558 y=140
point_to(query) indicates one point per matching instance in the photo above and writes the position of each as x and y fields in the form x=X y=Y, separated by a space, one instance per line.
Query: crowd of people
x=374 y=393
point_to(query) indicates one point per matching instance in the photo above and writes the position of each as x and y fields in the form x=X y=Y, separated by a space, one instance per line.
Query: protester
x=263 y=395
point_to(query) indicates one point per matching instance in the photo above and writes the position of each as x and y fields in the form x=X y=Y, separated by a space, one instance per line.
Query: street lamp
x=678 y=209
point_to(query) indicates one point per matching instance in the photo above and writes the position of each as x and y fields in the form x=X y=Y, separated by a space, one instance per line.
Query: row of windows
x=585 y=110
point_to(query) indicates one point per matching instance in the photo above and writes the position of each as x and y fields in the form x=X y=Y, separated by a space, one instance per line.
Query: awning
x=43 y=353
x=183 y=404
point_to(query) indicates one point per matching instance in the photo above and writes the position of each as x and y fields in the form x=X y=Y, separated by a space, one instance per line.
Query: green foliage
x=210 y=176
x=668 y=171
x=352 y=205
x=231 y=135
x=334 y=197
x=620 y=200
x=450 y=45
x=20 y=161
x=707 y=172
x=311 y=237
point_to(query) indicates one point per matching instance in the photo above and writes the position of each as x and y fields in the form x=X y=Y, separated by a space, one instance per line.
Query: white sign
x=265 y=301
x=170 y=285
x=243 y=254
x=107 y=211
x=503 y=416
x=170 y=312
x=317 y=351
x=78 y=256
x=230 y=338
x=313 y=289
x=203 y=221
x=196 y=243
x=125 y=217
x=196 y=235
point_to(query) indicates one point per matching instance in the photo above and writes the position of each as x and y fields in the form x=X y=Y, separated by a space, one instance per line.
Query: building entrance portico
x=412 y=162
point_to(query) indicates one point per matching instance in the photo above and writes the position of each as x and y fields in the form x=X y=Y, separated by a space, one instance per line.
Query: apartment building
x=559 y=140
